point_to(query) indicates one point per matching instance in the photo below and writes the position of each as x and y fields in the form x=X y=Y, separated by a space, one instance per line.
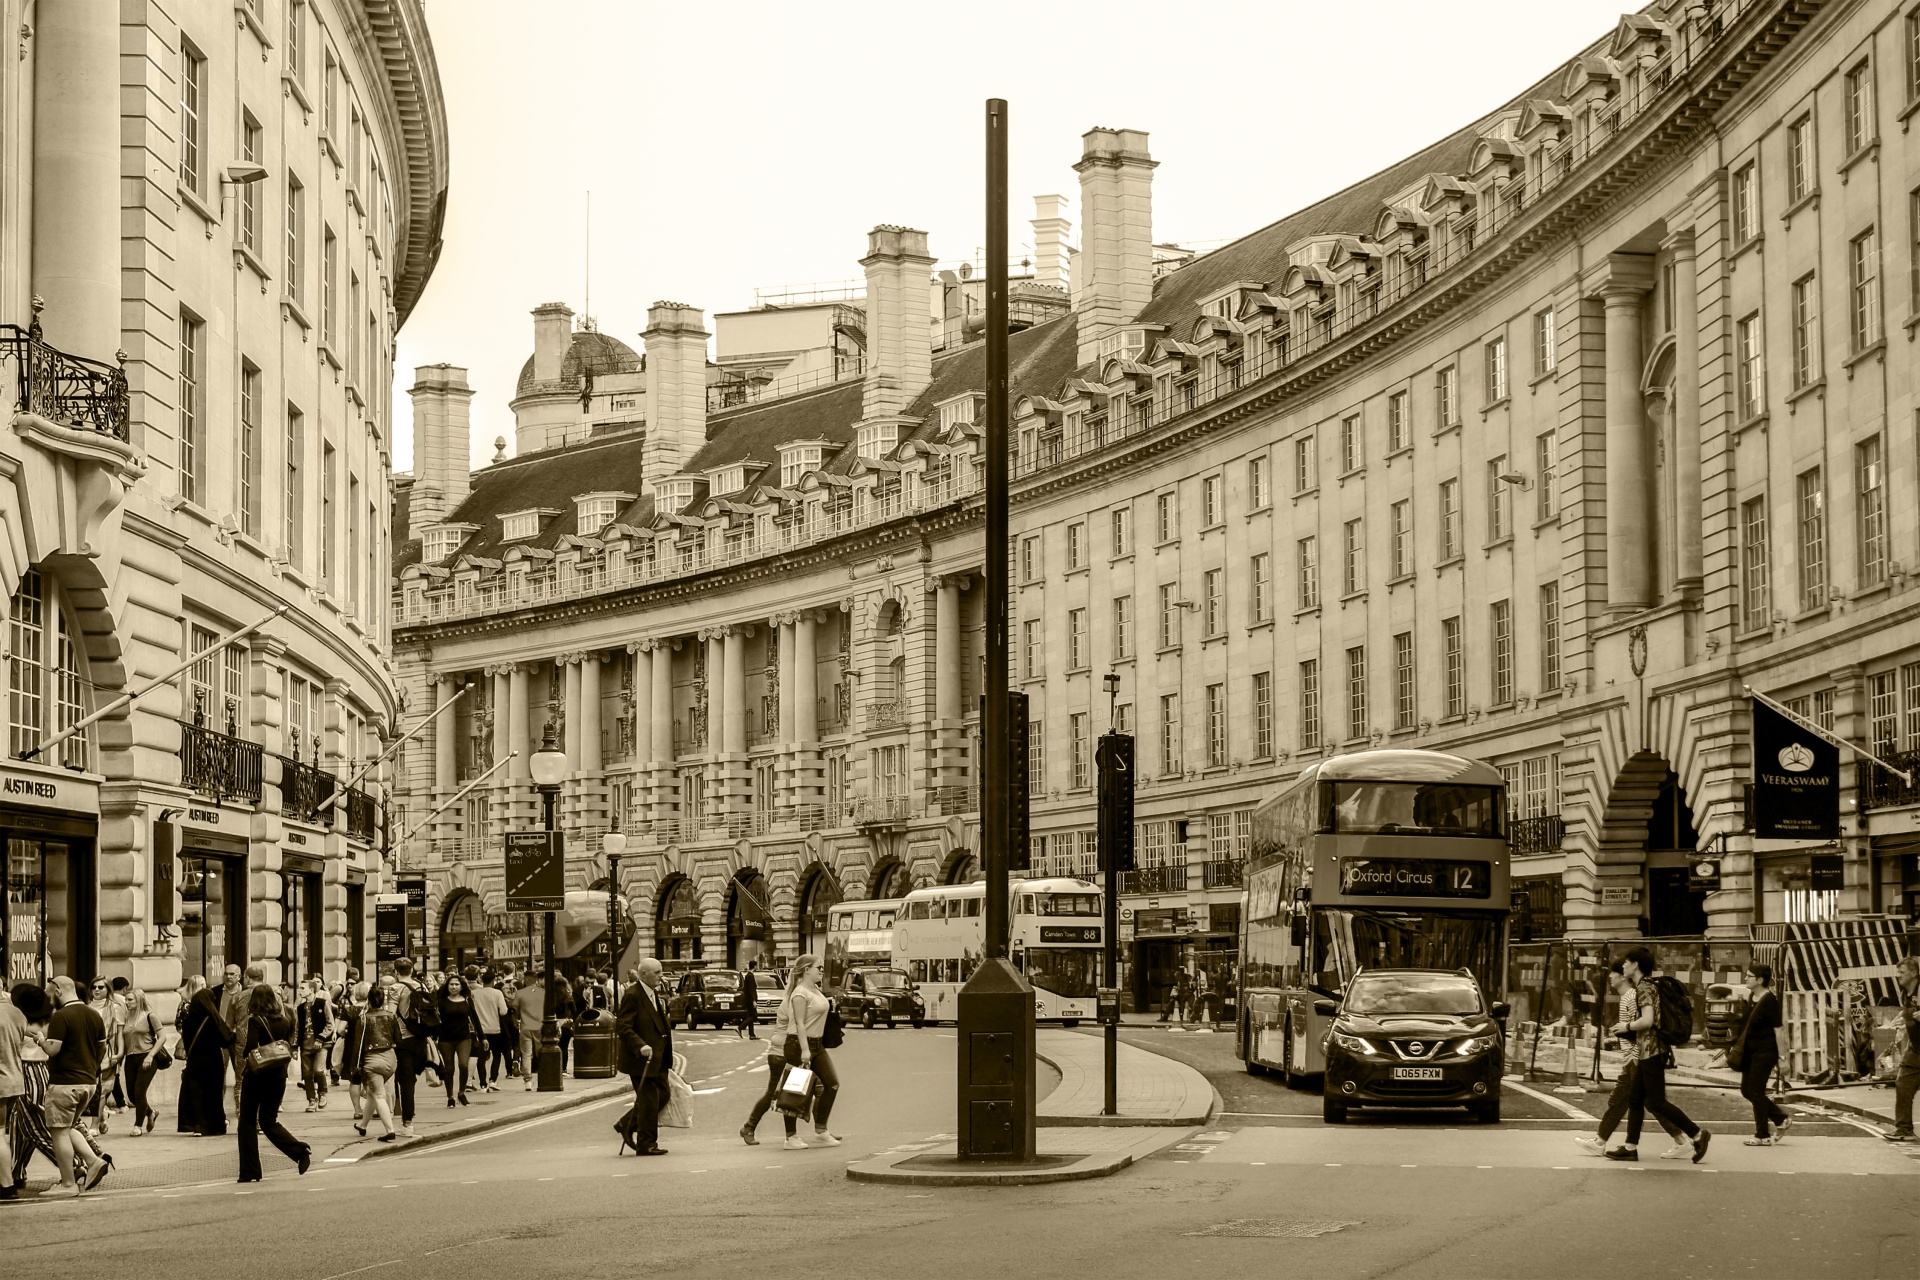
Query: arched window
x=46 y=680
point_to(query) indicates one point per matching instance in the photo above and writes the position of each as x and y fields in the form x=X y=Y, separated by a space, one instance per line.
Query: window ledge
x=291 y=86
x=1805 y=617
x=1125 y=659
x=333 y=152
x=1302 y=613
x=1352 y=597
x=1505 y=540
x=1445 y=429
x=1264 y=624
x=1875 y=348
x=1264 y=509
x=1403 y=451
x=292 y=311
x=1753 y=635
x=1358 y=472
x=326 y=353
x=1811 y=200
x=252 y=23
x=198 y=512
x=1117 y=559
x=1906 y=112
x=244 y=256
x=1491 y=405
x=1212 y=640
x=1080 y=670
x=1170 y=542
x=1400 y=580
x=1450 y=562
x=1750 y=245
x=1866 y=595
x=191 y=198
x=1314 y=492
x=1867 y=151
x=1757 y=420
x=1818 y=385
x=1166 y=650
x=1534 y=382
x=1218 y=526
x=1546 y=521
x=1075 y=573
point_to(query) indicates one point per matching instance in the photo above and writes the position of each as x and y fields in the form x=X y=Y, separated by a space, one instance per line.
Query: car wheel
x=889 y=1024
x=693 y=1023
x=1333 y=1111
x=919 y=1023
x=1486 y=1112
x=866 y=1018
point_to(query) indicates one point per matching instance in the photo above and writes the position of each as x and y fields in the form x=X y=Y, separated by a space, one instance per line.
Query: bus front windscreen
x=1415 y=809
x=1069 y=904
x=1349 y=939
x=1064 y=972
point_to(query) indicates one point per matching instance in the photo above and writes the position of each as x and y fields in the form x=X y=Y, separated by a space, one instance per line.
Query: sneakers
x=1700 y=1142
x=1678 y=1151
x=323 y=1102
x=747 y=1136
x=1898 y=1135
x=63 y=1191
x=1780 y=1130
x=406 y=1131
x=1624 y=1153
x=1594 y=1146
x=1759 y=1142
x=793 y=1143
x=311 y=1108
x=821 y=1138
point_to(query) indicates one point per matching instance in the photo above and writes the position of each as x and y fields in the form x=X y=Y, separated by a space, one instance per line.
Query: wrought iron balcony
x=305 y=792
x=881 y=811
x=70 y=390
x=1155 y=880
x=363 y=815
x=218 y=765
x=951 y=801
x=1882 y=790
x=1223 y=874
x=1537 y=835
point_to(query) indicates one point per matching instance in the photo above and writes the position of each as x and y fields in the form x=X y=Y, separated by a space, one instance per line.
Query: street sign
x=415 y=887
x=536 y=871
x=389 y=926
x=1114 y=839
x=1020 y=846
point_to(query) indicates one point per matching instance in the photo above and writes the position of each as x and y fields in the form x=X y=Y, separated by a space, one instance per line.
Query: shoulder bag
x=161 y=1058
x=268 y=1052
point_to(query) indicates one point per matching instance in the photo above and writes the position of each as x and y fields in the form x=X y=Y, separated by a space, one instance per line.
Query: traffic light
x=1114 y=756
x=1019 y=850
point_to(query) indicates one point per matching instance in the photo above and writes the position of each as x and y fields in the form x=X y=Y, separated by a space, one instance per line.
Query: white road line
x=517 y=1127
x=1563 y=1107
x=369 y=1267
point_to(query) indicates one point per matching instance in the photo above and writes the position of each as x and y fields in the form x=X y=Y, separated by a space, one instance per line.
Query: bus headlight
x=1475 y=1045
x=1355 y=1044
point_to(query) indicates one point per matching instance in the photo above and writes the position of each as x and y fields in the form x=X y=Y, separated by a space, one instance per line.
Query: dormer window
x=876 y=438
x=1125 y=342
x=675 y=495
x=796 y=461
x=515 y=525
x=595 y=511
x=960 y=409
x=726 y=480
x=438 y=544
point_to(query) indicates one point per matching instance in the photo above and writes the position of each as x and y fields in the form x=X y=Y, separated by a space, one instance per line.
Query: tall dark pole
x=994 y=827
x=549 y=1025
x=613 y=919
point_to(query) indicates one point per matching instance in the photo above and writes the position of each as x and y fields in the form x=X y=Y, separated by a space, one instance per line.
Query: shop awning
x=580 y=924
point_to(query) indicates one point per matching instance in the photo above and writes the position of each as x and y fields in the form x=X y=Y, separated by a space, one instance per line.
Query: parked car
x=870 y=996
x=707 y=995
x=1413 y=1038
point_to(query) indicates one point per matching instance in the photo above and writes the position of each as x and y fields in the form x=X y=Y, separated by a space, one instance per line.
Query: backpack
x=418 y=1013
x=1674 y=1021
x=834 y=1034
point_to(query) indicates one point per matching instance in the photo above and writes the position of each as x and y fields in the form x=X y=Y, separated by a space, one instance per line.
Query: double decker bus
x=1054 y=937
x=859 y=935
x=1379 y=859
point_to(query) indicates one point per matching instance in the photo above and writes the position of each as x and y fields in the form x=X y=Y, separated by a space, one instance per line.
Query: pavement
x=1150 y=1089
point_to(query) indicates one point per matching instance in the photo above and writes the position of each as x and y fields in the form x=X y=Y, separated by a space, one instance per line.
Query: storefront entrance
x=49 y=923
x=213 y=913
x=676 y=928
x=301 y=906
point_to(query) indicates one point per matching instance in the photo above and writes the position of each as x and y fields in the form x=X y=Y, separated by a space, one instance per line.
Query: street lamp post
x=549 y=769
x=615 y=843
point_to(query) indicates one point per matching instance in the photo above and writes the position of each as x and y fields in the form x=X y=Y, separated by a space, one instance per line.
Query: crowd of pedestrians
x=71 y=1067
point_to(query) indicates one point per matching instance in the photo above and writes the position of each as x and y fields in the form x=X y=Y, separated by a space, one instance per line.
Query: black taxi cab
x=1413 y=1038
x=871 y=996
x=708 y=995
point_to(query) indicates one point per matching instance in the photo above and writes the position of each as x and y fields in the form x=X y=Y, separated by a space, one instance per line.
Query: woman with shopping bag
x=800 y=1028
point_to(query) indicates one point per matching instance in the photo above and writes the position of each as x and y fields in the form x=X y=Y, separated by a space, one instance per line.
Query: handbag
x=795 y=1095
x=678 y=1113
x=161 y=1058
x=268 y=1053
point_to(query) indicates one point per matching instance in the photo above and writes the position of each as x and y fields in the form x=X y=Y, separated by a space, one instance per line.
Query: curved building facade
x=216 y=217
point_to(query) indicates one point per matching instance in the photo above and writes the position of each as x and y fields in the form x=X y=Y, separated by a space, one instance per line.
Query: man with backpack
x=418 y=1021
x=1664 y=1021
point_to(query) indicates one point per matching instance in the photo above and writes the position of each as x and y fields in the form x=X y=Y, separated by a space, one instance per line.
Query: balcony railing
x=1882 y=790
x=218 y=766
x=1537 y=835
x=1155 y=880
x=363 y=815
x=70 y=390
x=951 y=801
x=1223 y=875
x=878 y=811
x=886 y=713
x=305 y=791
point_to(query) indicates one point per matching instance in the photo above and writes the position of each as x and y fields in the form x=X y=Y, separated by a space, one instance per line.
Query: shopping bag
x=796 y=1091
x=678 y=1113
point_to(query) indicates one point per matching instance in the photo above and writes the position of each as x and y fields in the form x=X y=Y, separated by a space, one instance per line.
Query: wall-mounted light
x=1515 y=479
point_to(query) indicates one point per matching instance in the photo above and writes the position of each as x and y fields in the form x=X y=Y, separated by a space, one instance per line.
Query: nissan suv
x=1413 y=1038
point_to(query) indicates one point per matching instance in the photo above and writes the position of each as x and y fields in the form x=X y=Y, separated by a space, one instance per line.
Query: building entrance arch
x=463 y=931
x=749 y=919
x=822 y=892
x=890 y=879
x=962 y=868
x=676 y=929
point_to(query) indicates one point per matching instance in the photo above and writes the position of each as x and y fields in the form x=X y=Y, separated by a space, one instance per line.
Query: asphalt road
x=1263 y=1192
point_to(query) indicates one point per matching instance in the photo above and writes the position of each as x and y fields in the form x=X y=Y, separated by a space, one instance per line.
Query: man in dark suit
x=750 y=995
x=646 y=1052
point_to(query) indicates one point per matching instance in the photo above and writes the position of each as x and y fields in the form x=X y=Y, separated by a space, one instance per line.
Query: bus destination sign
x=1414 y=878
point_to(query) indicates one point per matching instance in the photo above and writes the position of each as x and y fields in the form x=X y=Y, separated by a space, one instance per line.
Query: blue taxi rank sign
x=536 y=871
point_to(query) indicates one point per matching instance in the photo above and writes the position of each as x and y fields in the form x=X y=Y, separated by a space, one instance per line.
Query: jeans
x=1650 y=1094
x=1904 y=1087
x=1620 y=1099
x=410 y=1056
x=138 y=1075
x=261 y=1093
x=1756 y=1068
x=313 y=1071
x=776 y=1068
x=453 y=1056
x=500 y=1054
x=828 y=1087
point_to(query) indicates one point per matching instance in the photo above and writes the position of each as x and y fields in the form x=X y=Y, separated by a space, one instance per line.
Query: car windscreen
x=722 y=982
x=885 y=979
x=1388 y=993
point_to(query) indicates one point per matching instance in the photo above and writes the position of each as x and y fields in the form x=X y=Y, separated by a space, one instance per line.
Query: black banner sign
x=1414 y=878
x=1796 y=780
x=389 y=930
x=415 y=887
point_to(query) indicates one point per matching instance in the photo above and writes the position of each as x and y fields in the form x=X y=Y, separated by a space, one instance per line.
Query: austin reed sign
x=1796 y=780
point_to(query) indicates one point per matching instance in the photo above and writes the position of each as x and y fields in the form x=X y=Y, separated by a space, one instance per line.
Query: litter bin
x=594 y=1050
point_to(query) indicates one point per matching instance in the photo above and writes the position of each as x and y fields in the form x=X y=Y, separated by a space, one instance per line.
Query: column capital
x=957 y=581
x=1626 y=276
x=1680 y=243
x=715 y=633
x=265 y=646
x=786 y=619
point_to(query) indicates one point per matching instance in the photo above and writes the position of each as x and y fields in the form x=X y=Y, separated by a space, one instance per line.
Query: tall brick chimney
x=1116 y=232
x=441 y=443
x=899 y=321
x=1050 y=241
x=676 y=338
x=552 y=335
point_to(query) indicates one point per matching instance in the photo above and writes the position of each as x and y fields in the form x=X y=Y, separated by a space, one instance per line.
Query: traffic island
x=1153 y=1090
x=1063 y=1156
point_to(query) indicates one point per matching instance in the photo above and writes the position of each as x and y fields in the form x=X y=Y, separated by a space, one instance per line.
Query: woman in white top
x=806 y=1011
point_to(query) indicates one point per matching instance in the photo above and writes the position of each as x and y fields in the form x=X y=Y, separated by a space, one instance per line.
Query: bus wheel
x=1333 y=1112
x=1071 y=1022
x=866 y=1018
x=1287 y=1077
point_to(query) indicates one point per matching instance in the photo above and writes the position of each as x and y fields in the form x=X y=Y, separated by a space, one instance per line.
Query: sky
x=749 y=145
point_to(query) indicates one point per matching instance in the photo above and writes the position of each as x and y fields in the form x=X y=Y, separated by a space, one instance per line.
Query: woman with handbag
x=780 y=1042
x=203 y=1080
x=807 y=1010
x=146 y=1054
x=263 y=1083
x=1755 y=1053
x=373 y=1042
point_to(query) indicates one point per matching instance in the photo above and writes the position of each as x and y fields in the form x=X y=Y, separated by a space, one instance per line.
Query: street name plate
x=536 y=871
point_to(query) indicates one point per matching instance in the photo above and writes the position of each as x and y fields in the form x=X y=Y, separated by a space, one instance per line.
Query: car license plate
x=1416 y=1073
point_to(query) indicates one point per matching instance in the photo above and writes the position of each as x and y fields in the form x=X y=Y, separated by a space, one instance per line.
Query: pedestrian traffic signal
x=1114 y=756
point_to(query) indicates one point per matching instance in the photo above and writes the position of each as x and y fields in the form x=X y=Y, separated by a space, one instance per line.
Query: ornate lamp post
x=615 y=843
x=549 y=769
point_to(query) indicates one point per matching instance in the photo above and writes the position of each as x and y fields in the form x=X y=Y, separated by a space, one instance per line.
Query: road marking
x=369 y=1267
x=1563 y=1167
x=1564 y=1107
x=461 y=1245
x=343 y=1159
x=517 y=1127
x=545 y=1179
x=701 y=1093
x=1409 y=1166
x=623 y=1175
x=1258 y=1162
x=1333 y=1166
x=1483 y=1166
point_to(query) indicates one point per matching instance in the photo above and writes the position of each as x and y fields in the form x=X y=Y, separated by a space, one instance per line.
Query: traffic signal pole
x=1114 y=840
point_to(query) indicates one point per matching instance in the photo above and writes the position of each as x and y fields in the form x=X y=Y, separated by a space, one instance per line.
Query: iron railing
x=219 y=766
x=875 y=811
x=1220 y=875
x=1882 y=790
x=363 y=815
x=951 y=801
x=1155 y=880
x=73 y=391
x=1537 y=835
x=305 y=791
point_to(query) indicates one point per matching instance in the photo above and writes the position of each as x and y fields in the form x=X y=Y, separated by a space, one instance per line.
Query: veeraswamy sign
x=1796 y=780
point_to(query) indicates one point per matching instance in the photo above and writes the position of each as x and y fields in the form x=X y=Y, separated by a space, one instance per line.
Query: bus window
x=886 y=920
x=1026 y=904
x=1415 y=809
x=917 y=910
x=973 y=907
x=842 y=921
x=1069 y=904
x=1063 y=971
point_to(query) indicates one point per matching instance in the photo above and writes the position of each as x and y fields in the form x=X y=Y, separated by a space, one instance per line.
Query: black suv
x=1413 y=1038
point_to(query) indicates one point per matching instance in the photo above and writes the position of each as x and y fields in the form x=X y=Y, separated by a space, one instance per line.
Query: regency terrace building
x=1536 y=446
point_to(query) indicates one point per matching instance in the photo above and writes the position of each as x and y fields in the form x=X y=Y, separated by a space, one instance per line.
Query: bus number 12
x=1466 y=880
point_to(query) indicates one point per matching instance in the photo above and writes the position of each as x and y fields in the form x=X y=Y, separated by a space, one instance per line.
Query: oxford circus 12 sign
x=1796 y=780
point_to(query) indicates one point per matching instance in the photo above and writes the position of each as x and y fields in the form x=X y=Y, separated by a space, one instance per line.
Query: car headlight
x=1475 y=1044
x=1355 y=1044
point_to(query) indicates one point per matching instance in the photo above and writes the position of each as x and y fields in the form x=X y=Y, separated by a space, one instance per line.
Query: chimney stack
x=1050 y=242
x=552 y=335
x=1116 y=232
x=899 y=329
x=440 y=444
x=676 y=339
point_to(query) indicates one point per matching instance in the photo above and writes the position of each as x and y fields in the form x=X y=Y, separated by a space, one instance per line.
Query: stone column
x=666 y=790
x=446 y=769
x=592 y=787
x=1629 y=460
x=783 y=625
x=570 y=709
x=946 y=646
x=501 y=675
x=806 y=723
x=1688 y=567
x=734 y=681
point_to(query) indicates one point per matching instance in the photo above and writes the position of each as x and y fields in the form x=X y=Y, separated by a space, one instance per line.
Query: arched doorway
x=962 y=867
x=1674 y=907
x=463 y=931
x=676 y=929
x=821 y=894
x=749 y=920
x=890 y=879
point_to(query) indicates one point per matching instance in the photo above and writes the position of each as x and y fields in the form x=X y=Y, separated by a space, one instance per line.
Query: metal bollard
x=1570 y=1075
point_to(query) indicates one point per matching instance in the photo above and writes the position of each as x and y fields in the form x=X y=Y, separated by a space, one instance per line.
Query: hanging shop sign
x=1796 y=780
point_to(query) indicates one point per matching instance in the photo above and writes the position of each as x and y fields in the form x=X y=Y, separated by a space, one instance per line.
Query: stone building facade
x=1539 y=446
x=215 y=218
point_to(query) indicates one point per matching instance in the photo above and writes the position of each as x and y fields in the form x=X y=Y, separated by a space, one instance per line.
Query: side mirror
x=1297 y=932
x=1326 y=1008
x=1500 y=1010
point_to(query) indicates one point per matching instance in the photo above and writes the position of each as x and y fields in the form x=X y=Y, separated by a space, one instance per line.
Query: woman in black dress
x=455 y=1033
x=203 y=1080
x=263 y=1088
